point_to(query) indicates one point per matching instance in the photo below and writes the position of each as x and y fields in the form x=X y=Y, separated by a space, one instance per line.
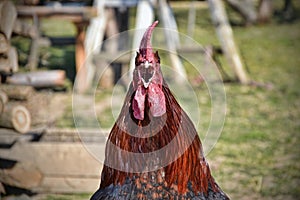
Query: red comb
x=145 y=45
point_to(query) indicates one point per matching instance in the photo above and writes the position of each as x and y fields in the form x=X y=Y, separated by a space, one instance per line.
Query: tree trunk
x=16 y=117
x=225 y=36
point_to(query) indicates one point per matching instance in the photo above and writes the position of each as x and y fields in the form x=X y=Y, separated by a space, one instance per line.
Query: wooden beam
x=225 y=35
x=48 y=11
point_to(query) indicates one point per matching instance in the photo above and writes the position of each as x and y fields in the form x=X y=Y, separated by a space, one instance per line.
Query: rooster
x=153 y=150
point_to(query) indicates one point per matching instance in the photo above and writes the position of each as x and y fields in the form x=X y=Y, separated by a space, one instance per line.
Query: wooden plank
x=58 y=159
x=67 y=184
x=185 y=5
x=73 y=135
x=118 y=57
x=47 y=11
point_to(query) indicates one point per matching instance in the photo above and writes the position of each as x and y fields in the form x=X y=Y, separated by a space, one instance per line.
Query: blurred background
x=51 y=50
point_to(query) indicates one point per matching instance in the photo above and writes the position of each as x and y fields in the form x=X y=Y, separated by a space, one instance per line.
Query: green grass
x=257 y=155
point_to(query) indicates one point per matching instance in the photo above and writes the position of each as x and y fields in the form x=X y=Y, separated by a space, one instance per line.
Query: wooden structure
x=52 y=161
x=79 y=16
x=225 y=36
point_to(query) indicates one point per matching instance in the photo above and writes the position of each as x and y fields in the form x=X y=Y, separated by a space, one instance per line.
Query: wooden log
x=13 y=59
x=17 y=92
x=4 y=65
x=4 y=44
x=3 y=101
x=1 y=105
x=59 y=159
x=8 y=15
x=16 y=117
x=3 y=96
x=8 y=57
x=39 y=79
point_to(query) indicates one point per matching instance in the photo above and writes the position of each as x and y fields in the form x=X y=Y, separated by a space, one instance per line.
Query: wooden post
x=265 y=11
x=191 y=19
x=81 y=82
x=225 y=36
x=33 y=58
x=245 y=8
x=144 y=18
x=172 y=39
x=16 y=117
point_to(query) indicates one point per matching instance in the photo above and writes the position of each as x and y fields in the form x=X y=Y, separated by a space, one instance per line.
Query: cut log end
x=16 y=117
x=21 y=119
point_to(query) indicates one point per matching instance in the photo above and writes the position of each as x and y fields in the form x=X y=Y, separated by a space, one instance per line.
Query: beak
x=146 y=73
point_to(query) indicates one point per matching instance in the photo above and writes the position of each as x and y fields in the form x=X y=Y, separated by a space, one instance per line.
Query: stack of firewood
x=13 y=114
x=8 y=54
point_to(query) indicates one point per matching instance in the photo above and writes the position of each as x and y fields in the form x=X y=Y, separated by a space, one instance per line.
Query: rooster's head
x=148 y=80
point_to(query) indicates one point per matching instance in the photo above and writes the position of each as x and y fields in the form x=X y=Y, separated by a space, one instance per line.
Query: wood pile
x=8 y=54
x=22 y=108
x=12 y=114
x=54 y=162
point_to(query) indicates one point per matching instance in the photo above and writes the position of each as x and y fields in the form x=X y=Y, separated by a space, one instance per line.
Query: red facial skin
x=148 y=80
